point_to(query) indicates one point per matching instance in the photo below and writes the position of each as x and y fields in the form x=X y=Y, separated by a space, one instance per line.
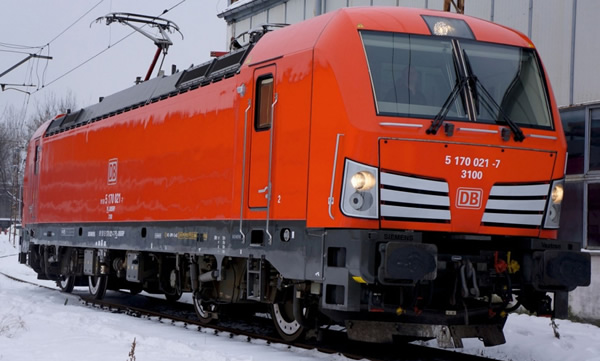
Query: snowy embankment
x=36 y=323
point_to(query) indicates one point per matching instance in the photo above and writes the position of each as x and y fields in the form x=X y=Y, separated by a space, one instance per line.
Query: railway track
x=257 y=328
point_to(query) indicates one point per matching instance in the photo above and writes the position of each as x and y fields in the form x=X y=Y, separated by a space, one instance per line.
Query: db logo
x=113 y=165
x=469 y=198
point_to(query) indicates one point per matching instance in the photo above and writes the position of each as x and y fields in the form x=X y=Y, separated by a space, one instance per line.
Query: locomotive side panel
x=153 y=163
x=181 y=158
x=342 y=93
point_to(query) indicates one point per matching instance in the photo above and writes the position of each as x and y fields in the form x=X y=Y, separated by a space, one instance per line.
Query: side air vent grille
x=195 y=74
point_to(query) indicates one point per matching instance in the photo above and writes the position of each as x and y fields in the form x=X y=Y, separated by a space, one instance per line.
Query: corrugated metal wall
x=569 y=52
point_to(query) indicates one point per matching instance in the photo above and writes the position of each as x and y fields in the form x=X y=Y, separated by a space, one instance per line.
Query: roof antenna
x=163 y=26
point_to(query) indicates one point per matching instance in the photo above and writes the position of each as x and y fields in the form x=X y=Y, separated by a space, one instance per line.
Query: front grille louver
x=414 y=199
x=516 y=205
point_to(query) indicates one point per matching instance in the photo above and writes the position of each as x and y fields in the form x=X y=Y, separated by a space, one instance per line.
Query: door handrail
x=270 y=166
x=244 y=170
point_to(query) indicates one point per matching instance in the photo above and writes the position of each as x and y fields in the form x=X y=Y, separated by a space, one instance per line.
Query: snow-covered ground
x=38 y=324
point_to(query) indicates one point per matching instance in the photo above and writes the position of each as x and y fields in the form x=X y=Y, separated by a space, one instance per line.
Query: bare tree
x=50 y=108
x=15 y=133
x=12 y=142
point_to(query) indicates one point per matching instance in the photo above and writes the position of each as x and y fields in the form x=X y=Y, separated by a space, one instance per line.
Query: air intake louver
x=521 y=205
x=414 y=199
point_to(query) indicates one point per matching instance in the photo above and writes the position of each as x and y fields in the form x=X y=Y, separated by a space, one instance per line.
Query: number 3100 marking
x=471 y=174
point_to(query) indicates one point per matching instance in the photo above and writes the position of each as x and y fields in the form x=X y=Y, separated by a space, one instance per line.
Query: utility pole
x=16 y=198
x=4 y=85
x=23 y=61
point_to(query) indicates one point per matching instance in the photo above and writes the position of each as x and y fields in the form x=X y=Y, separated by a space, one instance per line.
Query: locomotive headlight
x=554 y=205
x=557 y=193
x=441 y=28
x=363 y=181
x=360 y=191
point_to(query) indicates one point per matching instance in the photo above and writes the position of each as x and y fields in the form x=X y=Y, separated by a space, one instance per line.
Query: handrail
x=244 y=170
x=270 y=166
x=330 y=200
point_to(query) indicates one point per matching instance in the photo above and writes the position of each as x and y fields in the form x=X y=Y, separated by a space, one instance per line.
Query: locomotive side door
x=261 y=147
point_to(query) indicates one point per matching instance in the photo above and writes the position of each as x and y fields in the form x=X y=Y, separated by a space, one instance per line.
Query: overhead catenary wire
x=35 y=66
x=47 y=45
x=16 y=51
x=41 y=47
x=75 y=22
x=110 y=46
x=40 y=50
x=17 y=46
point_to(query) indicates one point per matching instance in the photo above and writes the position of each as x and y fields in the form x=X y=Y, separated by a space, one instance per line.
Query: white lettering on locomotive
x=113 y=165
x=469 y=198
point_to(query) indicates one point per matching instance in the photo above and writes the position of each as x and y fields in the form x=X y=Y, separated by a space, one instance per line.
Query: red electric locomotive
x=396 y=171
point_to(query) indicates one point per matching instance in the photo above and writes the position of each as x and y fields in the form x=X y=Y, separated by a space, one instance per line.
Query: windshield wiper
x=518 y=133
x=437 y=121
x=462 y=81
x=487 y=103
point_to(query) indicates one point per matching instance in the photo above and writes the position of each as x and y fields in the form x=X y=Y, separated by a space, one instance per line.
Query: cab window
x=264 y=100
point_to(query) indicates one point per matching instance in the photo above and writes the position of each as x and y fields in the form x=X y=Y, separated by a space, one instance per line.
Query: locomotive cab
x=449 y=150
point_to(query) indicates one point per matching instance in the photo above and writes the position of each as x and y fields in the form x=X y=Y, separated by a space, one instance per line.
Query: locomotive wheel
x=174 y=297
x=66 y=283
x=97 y=286
x=204 y=316
x=134 y=290
x=283 y=317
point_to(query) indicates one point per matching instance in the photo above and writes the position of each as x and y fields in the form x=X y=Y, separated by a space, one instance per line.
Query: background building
x=565 y=34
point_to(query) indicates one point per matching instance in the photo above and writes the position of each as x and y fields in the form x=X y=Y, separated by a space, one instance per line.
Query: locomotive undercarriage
x=381 y=286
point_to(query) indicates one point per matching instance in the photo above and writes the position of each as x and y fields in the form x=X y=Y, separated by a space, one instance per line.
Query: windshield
x=412 y=76
x=513 y=78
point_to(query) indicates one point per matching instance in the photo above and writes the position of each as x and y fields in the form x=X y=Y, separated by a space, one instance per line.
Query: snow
x=36 y=323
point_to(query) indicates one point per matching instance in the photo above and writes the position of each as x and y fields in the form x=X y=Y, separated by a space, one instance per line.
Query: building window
x=573 y=120
x=593 y=216
x=595 y=139
x=580 y=220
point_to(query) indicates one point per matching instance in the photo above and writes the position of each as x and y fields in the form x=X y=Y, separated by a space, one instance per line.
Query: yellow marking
x=187 y=235
x=359 y=279
x=512 y=265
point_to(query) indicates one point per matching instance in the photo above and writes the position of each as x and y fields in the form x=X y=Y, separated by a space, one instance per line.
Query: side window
x=573 y=120
x=593 y=221
x=595 y=139
x=264 y=100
